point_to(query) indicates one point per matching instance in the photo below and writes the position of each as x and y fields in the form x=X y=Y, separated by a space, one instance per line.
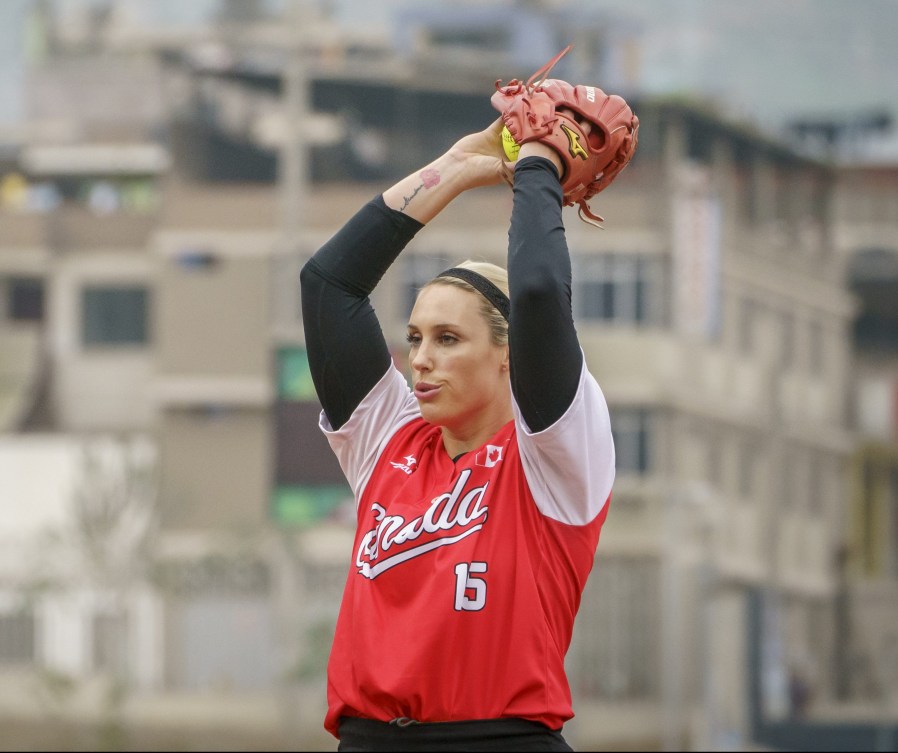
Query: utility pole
x=300 y=129
x=293 y=176
x=293 y=163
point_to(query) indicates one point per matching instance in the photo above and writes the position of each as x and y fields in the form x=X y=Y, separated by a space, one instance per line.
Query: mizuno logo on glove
x=574 y=142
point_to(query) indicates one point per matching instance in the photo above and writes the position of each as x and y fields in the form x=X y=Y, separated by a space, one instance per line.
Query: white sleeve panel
x=360 y=441
x=569 y=466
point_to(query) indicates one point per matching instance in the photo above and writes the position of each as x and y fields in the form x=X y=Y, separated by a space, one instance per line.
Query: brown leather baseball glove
x=554 y=112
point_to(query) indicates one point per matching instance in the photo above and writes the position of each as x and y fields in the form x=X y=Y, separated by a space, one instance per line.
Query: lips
x=426 y=391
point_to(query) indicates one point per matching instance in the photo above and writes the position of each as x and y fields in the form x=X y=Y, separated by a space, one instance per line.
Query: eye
x=413 y=339
x=447 y=339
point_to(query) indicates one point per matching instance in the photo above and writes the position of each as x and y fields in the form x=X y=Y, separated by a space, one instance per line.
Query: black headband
x=482 y=286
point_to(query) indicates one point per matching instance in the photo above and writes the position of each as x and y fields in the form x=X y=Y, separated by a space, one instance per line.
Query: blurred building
x=867 y=235
x=149 y=261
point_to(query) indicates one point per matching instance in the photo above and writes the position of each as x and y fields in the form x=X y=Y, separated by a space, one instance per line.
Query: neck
x=458 y=442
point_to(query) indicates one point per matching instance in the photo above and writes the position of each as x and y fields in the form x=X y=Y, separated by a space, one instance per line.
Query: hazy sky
x=774 y=58
x=765 y=60
x=11 y=66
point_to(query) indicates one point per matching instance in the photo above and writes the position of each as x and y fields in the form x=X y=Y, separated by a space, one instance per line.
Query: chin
x=439 y=413
x=431 y=414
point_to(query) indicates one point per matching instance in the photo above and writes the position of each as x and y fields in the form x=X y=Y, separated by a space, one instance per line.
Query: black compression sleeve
x=545 y=354
x=347 y=351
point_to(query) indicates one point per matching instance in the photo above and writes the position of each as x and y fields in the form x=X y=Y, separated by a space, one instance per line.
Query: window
x=197 y=259
x=818 y=482
x=746 y=194
x=26 y=299
x=748 y=318
x=631 y=430
x=783 y=193
x=868 y=518
x=789 y=481
x=110 y=646
x=716 y=445
x=749 y=468
x=476 y=37
x=799 y=480
x=303 y=456
x=115 y=315
x=816 y=346
x=892 y=515
x=17 y=631
x=787 y=340
x=615 y=654
x=619 y=288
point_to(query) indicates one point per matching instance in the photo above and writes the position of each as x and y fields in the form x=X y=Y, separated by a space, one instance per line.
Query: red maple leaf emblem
x=489 y=456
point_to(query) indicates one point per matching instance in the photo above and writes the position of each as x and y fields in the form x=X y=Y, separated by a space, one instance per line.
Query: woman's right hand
x=482 y=157
x=475 y=160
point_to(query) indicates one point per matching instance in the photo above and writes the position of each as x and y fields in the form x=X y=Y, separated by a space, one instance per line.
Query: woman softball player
x=481 y=490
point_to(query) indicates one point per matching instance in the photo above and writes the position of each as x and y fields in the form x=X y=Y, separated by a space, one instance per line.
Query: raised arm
x=473 y=161
x=346 y=348
x=545 y=354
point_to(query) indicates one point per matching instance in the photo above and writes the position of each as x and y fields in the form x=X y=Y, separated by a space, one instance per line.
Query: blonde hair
x=499 y=277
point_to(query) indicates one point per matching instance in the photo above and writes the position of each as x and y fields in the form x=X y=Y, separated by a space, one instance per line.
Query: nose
x=421 y=360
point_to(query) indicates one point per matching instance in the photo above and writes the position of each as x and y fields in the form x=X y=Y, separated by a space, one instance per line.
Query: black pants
x=479 y=735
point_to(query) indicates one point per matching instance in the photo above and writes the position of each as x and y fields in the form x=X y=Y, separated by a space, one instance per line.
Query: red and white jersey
x=466 y=576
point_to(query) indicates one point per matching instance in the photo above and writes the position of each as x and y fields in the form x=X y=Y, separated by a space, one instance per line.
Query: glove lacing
x=515 y=87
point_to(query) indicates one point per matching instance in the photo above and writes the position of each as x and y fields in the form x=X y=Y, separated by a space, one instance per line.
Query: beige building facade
x=867 y=237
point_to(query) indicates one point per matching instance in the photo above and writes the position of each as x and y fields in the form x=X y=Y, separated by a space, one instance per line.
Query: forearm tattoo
x=429 y=178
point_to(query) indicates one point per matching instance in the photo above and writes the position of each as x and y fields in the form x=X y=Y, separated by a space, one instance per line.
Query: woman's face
x=459 y=376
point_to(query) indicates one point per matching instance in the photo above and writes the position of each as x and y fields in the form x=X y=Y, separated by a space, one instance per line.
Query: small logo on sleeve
x=406 y=467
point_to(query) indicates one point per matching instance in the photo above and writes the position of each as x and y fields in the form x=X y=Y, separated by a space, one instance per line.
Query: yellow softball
x=510 y=146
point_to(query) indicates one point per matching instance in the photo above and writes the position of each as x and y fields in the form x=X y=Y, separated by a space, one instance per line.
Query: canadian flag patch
x=489 y=456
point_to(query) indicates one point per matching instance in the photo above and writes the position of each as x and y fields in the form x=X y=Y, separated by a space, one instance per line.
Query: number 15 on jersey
x=470 y=591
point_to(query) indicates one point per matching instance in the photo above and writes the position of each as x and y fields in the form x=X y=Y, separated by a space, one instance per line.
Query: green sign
x=306 y=505
x=294 y=375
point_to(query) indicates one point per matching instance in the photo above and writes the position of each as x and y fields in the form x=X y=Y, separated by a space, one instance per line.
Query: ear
x=505 y=364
